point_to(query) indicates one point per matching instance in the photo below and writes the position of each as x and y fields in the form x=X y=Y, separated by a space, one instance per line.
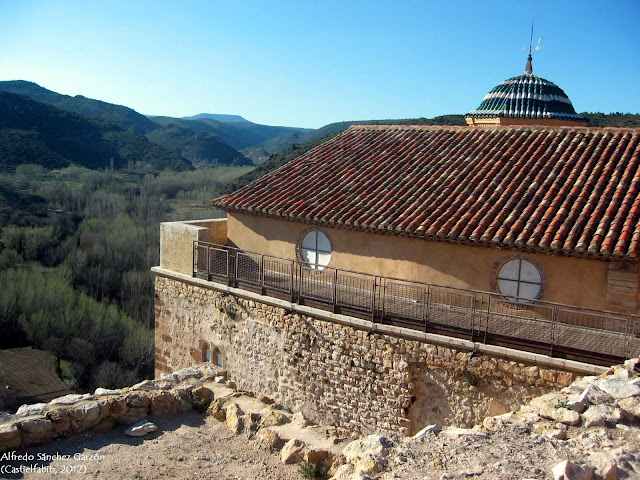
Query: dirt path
x=187 y=446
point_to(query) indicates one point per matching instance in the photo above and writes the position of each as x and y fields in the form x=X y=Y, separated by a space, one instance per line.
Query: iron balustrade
x=555 y=329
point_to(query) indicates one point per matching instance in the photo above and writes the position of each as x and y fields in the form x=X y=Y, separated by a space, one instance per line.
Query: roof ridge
x=580 y=128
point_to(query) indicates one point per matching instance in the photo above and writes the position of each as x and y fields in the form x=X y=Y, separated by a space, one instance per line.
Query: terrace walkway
x=563 y=331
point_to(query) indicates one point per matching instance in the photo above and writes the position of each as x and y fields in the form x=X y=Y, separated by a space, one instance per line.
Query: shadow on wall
x=429 y=398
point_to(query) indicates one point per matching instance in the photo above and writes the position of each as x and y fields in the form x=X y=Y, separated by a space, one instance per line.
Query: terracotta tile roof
x=573 y=191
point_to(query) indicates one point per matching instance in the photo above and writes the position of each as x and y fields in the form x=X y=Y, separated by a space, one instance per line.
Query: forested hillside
x=38 y=133
x=159 y=144
x=76 y=248
x=198 y=148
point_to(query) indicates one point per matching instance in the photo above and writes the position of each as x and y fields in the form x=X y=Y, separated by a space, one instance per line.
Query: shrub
x=311 y=470
x=471 y=378
x=200 y=404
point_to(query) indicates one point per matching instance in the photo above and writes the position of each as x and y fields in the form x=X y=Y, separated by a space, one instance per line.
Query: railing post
x=262 y=289
x=486 y=324
x=473 y=315
x=627 y=338
x=426 y=296
x=335 y=290
x=300 y=284
x=554 y=326
x=208 y=264
x=291 y=286
x=193 y=263
x=384 y=296
x=373 y=299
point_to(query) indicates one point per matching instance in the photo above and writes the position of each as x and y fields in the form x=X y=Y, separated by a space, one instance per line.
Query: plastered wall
x=565 y=280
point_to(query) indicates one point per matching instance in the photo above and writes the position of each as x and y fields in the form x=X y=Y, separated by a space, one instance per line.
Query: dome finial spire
x=528 y=69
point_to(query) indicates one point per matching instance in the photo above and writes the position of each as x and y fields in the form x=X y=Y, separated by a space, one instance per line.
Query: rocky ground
x=186 y=446
x=594 y=424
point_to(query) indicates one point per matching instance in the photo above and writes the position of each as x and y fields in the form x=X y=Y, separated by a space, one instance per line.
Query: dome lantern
x=526 y=100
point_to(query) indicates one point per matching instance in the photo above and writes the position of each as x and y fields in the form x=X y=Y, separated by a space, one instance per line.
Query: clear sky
x=308 y=63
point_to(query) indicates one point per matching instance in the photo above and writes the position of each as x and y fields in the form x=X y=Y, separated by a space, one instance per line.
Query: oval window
x=519 y=278
x=316 y=249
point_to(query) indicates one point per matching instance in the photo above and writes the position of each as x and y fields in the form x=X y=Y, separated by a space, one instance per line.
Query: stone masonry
x=337 y=374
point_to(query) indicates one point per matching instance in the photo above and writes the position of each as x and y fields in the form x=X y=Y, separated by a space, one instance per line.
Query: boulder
x=10 y=437
x=60 y=419
x=292 y=451
x=69 y=399
x=163 y=403
x=550 y=430
x=117 y=407
x=103 y=392
x=141 y=429
x=604 y=465
x=369 y=466
x=548 y=400
x=633 y=364
x=315 y=455
x=138 y=400
x=567 y=470
x=273 y=419
x=235 y=418
x=601 y=416
x=266 y=400
x=593 y=395
x=84 y=416
x=495 y=407
x=186 y=373
x=435 y=429
x=217 y=411
x=631 y=406
x=299 y=419
x=268 y=440
x=183 y=396
x=619 y=389
x=30 y=410
x=35 y=430
x=372 y=445
x=202 y=394
x=562 y=415
x=343 y=472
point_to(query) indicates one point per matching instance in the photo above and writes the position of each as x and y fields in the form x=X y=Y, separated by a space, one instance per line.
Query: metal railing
x=543 y=327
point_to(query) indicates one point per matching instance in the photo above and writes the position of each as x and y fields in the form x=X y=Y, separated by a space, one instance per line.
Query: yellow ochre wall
x=565 y=280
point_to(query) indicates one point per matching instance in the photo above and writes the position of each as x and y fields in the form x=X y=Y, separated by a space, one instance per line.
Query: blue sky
x=308 y=63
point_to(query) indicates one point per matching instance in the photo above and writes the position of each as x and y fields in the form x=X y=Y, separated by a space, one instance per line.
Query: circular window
x=519 y=278
x=316 y=249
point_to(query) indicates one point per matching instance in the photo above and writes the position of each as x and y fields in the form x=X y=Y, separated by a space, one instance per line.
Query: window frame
x=510 y=298
x=301 y=249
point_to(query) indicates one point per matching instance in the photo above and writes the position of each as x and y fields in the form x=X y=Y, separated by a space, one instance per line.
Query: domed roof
x=527 y=96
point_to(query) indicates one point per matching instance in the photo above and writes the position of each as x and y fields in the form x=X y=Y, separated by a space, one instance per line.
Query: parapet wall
x=176 y=241
x=344 y=375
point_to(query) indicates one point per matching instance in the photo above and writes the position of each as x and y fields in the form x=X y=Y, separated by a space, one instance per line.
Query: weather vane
x=529 y=68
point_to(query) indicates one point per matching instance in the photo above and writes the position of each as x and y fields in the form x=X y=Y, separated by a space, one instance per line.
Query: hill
x=124 y=117
x=38 y=133
x=617 y=119
x=240 y=135
x=220 y=117
x=197 y=147
x=129 y=120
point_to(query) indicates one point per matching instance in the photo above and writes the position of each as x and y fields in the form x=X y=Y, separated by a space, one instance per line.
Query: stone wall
x=72 y=414
x=334 y=373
